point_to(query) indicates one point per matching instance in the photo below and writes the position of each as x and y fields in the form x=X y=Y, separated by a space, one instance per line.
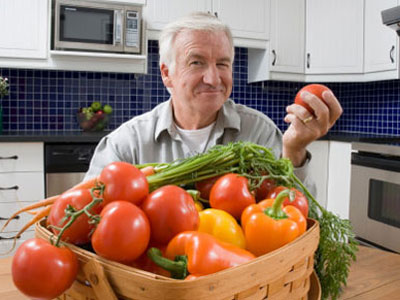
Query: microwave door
x=88 y=28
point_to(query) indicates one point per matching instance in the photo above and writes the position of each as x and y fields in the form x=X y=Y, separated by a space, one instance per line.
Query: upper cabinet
x=327 y=40
x=381 y=42
x=24 y=29
x=248 y=20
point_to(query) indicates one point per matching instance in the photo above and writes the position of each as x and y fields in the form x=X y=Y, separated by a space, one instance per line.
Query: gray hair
x=195 y=21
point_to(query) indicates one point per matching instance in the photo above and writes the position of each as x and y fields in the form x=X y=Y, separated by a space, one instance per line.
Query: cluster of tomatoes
x=128 y=220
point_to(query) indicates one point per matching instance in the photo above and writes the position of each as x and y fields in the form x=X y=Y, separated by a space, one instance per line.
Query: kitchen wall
x=44 y=100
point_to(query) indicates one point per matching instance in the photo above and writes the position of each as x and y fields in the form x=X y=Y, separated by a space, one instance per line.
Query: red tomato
x=124 y=181
x=300 y=201
x=264 y=189
x=231 y=193
x=43 y=271
x=316 y=89
x=78 y=233
x=170 y=210
x=204 y=186
x=123 y=232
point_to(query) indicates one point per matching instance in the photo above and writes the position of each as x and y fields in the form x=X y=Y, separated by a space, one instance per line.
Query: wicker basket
x=286 y=273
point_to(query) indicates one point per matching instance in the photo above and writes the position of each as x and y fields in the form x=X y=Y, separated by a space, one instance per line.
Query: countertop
x=94 y=137
x=375 y=275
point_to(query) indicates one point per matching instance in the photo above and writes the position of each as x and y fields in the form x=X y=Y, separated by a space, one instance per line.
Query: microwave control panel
x=132 y=33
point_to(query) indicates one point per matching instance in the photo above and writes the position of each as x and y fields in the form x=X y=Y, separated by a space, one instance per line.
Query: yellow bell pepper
x=223 y=226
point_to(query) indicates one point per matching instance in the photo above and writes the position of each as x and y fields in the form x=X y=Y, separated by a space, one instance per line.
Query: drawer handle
x=15 y=187
x=6 y=219
x=9 y=238
x=9 y=157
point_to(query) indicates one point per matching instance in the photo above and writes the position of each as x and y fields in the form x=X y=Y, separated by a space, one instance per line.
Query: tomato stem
x=71 y=214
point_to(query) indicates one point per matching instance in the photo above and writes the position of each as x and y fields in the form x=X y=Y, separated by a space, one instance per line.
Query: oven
x=375 y=194
x=66 y=165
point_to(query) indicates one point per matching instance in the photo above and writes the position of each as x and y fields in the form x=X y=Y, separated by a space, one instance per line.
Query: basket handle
x=94 y=273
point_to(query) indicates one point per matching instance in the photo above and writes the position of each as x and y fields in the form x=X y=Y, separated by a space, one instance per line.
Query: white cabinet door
x=158 y=13
x=381 y=42
x=24 y=27
x=287 y=36
x=247 y=19
x=318 y=169
x=339 y=178
x=334 y=36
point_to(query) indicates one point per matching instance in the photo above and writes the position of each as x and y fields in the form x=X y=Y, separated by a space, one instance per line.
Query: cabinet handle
x=9 y=238
x=308 y=60
x=391 y=54
x=274 y=60
x=9 y=157
x=6 y=219
x=15 y=187
x=216 y=14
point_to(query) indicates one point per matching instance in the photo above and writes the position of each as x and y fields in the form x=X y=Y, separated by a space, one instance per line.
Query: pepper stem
x=275 y=211
x=178 y=268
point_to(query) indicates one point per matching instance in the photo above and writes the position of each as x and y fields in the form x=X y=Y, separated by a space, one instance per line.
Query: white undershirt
x=196 y=139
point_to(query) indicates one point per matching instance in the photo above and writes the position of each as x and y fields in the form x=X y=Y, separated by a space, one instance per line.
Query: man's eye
x=195 y=63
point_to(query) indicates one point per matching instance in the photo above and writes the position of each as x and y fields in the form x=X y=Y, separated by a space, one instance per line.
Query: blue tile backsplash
x=45 y=100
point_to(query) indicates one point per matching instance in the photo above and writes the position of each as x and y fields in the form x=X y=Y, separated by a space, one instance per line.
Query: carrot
x=87 y=184
x=45 y=202
x=40 y=214
x=147 y=171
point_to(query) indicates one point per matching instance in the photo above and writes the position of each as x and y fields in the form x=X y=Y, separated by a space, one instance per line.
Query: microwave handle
x=118 y=15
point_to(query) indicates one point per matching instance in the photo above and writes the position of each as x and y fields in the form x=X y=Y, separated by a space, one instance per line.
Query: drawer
x=21 y=186
x=21 y=157
x=16 y=224
x=7 y=244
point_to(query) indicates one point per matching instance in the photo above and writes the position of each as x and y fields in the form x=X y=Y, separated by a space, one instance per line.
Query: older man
x=196 y=57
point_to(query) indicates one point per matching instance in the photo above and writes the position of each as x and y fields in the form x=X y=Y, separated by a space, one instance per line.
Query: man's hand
x=305 y=127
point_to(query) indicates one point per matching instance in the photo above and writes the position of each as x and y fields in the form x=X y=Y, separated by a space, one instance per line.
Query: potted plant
x=3 y=92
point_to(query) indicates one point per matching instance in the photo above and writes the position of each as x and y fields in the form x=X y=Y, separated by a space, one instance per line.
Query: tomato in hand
x=204 y=186
x=43 y=271
x=170 y=210
x=300 y=201
x=79 y=232
x=316 y=89
x=231 y=194
x=123 y=181
x=123 y=232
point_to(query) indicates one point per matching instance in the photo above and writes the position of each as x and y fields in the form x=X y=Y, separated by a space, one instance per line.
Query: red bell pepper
x=199 y=254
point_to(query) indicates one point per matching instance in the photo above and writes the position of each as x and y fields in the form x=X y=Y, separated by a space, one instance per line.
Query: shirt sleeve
x=303 y=174
x=104 y=154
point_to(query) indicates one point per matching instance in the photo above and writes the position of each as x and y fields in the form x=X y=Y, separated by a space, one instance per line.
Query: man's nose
x=211 y=76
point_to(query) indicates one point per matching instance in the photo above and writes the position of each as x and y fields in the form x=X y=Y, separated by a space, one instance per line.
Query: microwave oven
x=97 y=26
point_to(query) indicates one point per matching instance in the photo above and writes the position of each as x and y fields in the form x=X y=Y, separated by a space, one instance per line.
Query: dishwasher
x=66 y=165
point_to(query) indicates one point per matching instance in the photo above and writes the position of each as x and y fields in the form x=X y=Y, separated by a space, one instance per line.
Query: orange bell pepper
x=199 y=254
x=267 y=226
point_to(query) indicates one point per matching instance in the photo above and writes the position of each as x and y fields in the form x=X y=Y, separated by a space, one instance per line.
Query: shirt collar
x=228 y=117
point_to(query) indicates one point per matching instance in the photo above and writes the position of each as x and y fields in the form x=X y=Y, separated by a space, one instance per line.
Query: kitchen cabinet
x=21 y=183
x=330 y=169
x=24 y=31
x=381 y=42
x=327 y=40
x=25 y=42
x=248 y=20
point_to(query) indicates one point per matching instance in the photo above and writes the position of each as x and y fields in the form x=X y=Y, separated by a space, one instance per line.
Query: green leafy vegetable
x=337 y=246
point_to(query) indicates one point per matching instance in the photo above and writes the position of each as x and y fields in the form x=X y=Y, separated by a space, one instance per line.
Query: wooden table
x=375 y=275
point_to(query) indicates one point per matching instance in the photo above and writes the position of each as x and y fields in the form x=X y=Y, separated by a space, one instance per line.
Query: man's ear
x=165 y=75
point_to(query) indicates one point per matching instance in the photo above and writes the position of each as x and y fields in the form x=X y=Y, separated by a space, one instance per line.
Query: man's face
x=202 y=77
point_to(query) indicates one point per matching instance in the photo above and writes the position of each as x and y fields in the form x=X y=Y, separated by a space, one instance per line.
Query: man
x=196 y=57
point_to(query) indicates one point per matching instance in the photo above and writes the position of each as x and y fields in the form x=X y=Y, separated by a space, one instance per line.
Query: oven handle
x=376 y=161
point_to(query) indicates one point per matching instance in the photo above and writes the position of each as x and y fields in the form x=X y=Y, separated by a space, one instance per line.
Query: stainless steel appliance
x=375 y=194
x=66 y=165
x=391 y=18
x=97 y=26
